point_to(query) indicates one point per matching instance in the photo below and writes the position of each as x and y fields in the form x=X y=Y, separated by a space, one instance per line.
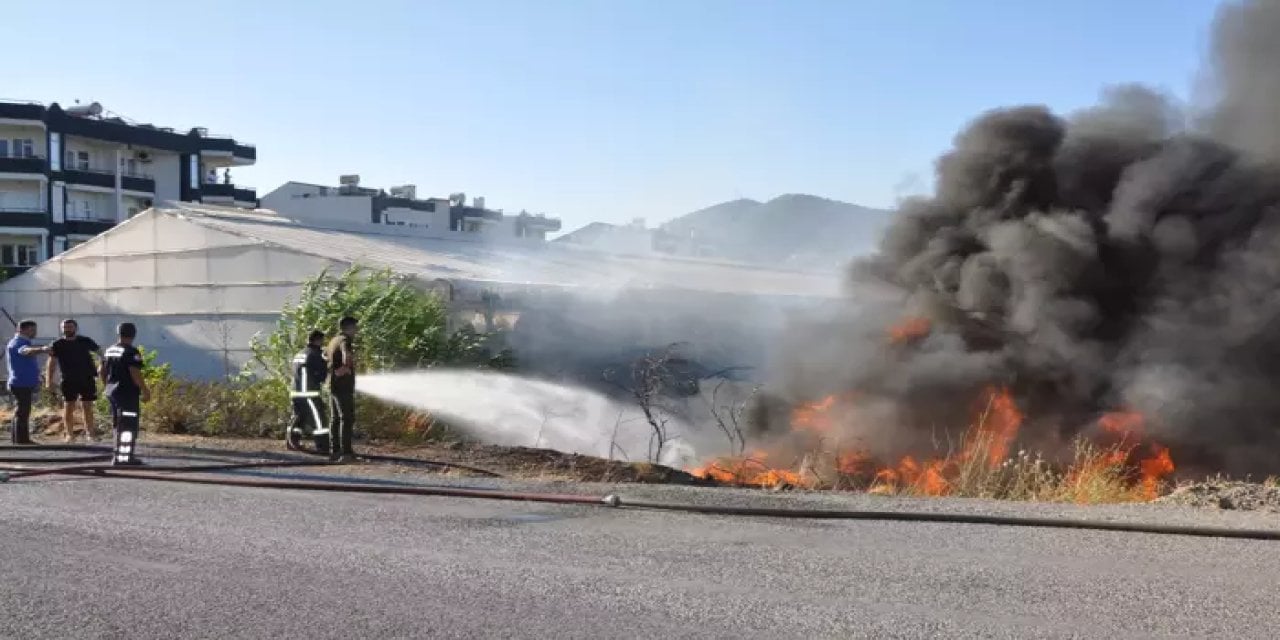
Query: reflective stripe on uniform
x=315 y=413
x=304 y=394
x=129 y=414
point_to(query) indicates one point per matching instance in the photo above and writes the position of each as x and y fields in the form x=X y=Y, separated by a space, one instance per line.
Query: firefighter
x=342 y=391
x=121 y=373
x=309 y=371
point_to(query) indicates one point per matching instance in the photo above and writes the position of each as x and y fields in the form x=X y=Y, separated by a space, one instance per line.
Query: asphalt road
x=109 y=558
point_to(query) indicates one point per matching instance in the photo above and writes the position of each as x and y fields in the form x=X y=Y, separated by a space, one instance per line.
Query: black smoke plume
x=1123 y=258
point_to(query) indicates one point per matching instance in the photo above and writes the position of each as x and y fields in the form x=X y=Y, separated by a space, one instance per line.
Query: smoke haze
x=1126 y=257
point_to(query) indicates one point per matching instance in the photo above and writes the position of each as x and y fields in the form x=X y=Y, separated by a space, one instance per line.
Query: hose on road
x=177 y=473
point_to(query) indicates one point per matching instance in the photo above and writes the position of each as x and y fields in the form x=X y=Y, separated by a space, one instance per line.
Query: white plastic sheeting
x=200 y=281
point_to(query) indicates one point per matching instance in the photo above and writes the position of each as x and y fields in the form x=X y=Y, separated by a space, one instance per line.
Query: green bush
x=402 y=326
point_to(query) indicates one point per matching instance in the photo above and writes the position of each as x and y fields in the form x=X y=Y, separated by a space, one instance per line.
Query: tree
x=401 y=325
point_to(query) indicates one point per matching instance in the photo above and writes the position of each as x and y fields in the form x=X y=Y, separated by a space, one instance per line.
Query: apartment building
x=68 y=174
x=351 y=204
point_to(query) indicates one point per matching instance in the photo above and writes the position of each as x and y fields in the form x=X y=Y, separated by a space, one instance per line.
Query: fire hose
x=177 y=473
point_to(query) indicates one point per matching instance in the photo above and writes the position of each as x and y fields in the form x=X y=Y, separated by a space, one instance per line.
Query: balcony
x=217 y=193
x=241 y=152
x=22 y=111
x=24 y=210
x=24 y=164
x=105 y=177
x=538 y=222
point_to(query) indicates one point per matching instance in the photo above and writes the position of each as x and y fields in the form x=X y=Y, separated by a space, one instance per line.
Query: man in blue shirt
x=24 y=378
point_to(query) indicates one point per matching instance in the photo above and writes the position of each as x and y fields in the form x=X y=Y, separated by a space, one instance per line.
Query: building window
x=19 y=253
x=129 y=166
x=55 y=150
x=24 y=148
x=18 y=148
x=81 y=161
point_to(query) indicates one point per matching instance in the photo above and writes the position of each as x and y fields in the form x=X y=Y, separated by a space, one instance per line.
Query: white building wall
x=165 y=168
x=304 y=202
x=22 y=195
x=101 y=154
x=86 y=204
x=433 y=220
x=36 y=134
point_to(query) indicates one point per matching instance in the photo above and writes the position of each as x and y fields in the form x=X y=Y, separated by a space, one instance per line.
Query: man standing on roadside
x=74 y=354
x=121 y=373
x=24 y=378
x=342 y=391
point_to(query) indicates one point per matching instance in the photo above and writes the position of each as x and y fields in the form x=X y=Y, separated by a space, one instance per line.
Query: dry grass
x=1094 y=475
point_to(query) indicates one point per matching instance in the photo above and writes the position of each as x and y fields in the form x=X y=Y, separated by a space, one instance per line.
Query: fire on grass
x=1118 y=464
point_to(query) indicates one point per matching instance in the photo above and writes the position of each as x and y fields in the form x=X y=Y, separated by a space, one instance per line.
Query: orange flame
x=909 y=329
x=1154 y=469
x=750 y=470
x=1122 y=424
x=996 y=429
x=815 y=417
x=988 y=442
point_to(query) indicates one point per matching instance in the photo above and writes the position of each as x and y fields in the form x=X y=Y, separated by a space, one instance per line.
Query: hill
x=793 y=230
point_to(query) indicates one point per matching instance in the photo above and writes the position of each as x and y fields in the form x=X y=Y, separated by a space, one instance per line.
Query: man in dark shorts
x=73 y=353
x=121 y=373
x=342 y=391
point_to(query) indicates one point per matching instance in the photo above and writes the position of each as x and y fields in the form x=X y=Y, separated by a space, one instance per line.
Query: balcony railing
x=21 y=110
x=28 y=210
x=100 y=176
x=245 y=194
x=94 y=168
x=217 y=190
x=90 y=217
x=34 y=163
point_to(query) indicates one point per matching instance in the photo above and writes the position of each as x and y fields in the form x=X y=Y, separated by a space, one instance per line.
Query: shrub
x=402 y=326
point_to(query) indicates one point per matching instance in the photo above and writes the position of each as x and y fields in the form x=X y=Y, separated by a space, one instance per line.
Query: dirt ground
x=470 y=459
x=480 y=460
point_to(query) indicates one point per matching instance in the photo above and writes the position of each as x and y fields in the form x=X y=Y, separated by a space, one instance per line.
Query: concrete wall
x=102 y=155
x=164 y=167
x=437 y=220
x=304 y=202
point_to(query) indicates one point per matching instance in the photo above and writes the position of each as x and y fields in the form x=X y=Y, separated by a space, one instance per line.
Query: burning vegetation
x=1117 y=464
x=1102 y=287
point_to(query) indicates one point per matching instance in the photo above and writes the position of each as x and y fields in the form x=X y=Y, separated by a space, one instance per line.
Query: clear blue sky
x=595 y=109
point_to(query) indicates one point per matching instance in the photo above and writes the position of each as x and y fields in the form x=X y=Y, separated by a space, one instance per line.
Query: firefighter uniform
x=126 y=400
x=309 y=371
